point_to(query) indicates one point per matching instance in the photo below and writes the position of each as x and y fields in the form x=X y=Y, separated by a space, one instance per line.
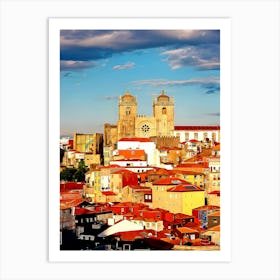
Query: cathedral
x=130 y=124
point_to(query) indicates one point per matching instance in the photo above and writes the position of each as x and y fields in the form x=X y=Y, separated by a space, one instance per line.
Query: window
x=127 y=111
x=205 y=135
x=196 y=136
x=145 y=128
x=187 y=136
x=164 y=111
x=214 y=136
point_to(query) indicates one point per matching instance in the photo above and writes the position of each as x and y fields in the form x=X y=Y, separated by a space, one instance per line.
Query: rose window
x=145 y=128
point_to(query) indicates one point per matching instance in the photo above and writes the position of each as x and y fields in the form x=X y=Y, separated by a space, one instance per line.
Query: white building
x=143 y=144
x=199 y=133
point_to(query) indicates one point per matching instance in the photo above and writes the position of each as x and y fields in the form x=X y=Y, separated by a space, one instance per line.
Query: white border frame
x=222 y=24
x=24 y=111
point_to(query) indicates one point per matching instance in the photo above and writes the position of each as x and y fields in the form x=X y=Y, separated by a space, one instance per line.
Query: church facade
x=130 y=124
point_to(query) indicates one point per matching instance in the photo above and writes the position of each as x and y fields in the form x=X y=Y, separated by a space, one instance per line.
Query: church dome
x=163 y=97
x=128 y=97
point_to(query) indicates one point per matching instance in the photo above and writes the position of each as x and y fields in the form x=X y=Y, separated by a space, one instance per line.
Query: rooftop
x=197 y=127
x=184 y=188
x=170 y=181
x=135 y=139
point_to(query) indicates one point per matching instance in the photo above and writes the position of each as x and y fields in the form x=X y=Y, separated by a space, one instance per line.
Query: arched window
x=127 y=111
x=164 y=111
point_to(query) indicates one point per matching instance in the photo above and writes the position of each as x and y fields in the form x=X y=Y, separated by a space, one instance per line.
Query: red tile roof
x=192 y=165
x=67 y=186
x=215 y=192
x=196 y=127
x=108 y=193
x=184 y=188
x=193 y=141
x=182 y=216
x=132 y=154
x=135 y=139
x=216 y=148
x=70 y=199
x=132 y=235
x=169 y=181
x=186 y=230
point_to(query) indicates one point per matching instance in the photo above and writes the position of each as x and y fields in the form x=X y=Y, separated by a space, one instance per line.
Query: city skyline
x=98 y=66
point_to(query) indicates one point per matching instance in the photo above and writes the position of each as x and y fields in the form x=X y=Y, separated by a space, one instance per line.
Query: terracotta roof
x=66 y=203
x=196 y=127
x=169 y=181
x=184 y=188
x=131 y=154
x=216 y=148
x=215 y=192
x=192 y=165
x=193 y=141
x=182 y=216
x=67 y=186
x=123 y=171
x=132 y=235
x=186 y=230
x=108 y=193
x=135 y=139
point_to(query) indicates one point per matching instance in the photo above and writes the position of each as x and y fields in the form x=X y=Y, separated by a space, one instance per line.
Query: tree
x=61 y=154
x=67 y=174
x=82 y=167
x=79 y=176
x=74 y=174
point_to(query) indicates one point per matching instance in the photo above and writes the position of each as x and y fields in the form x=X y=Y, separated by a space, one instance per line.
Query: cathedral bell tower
x=163 y=108
x=127 y=115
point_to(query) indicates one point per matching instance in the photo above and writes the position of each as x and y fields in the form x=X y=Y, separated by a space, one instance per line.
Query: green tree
x=61 y=154
x=82 y=167
x=79 y=176
x=67 y=174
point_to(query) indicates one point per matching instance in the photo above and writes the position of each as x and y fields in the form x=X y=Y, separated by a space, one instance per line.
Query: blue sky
x=97 y=66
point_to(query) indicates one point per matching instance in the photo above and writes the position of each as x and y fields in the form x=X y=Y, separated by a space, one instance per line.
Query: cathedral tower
x=163 y=108
x=127 y=115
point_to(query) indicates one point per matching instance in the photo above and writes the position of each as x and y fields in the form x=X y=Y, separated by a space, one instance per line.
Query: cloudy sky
x=97 y=66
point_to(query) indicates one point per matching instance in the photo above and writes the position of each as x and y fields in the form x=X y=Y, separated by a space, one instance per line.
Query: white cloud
x=71 y=65
x=124 y=66
x=198 y=81
x=198 y=57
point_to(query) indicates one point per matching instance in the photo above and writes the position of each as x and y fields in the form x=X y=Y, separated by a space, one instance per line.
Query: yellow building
x=196 y=178
x=159 y=191
x=184 y=198
x=176 y=195
x=92 y=159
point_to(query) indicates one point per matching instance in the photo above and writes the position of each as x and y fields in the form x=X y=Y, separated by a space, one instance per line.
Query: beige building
x=130 y=124
x=88 y=143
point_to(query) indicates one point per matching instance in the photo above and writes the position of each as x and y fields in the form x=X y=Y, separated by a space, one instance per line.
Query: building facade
x=131 y=124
